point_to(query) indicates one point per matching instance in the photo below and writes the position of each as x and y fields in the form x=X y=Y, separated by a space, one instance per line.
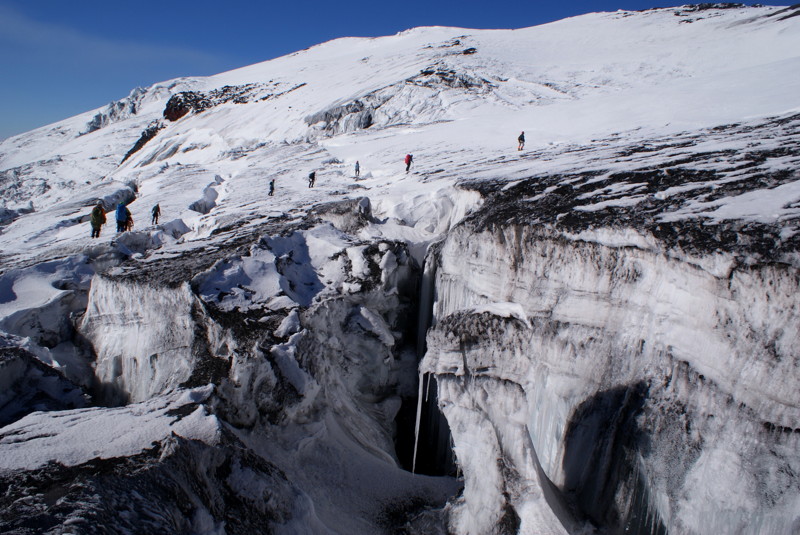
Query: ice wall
x=143 y=336
x=646 y=386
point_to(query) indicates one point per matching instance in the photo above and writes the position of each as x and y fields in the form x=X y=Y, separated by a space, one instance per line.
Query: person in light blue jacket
x=123 y=215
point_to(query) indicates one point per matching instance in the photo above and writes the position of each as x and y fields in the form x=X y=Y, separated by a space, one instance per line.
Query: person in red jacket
x=409 y=159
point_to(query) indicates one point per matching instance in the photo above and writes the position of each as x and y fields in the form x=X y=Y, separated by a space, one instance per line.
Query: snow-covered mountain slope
x=608 y=317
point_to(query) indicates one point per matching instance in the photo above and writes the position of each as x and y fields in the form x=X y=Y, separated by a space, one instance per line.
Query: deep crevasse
x=625 y=368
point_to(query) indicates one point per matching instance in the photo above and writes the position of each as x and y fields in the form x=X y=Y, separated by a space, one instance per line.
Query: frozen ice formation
x=598 y=333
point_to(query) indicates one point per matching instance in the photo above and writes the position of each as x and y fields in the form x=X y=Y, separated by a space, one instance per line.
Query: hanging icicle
x=428 y=390
x=416 y=425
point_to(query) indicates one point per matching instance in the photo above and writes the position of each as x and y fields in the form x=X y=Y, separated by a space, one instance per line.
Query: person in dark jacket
x=123 y=214
x=312 y=177
x=97 y=219
x=521 y=140
x=409 y=160
x=358 y=169
x=156 y=213
x=272 y=187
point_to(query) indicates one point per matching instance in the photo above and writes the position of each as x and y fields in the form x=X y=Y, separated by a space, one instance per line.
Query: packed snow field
x=598 y=333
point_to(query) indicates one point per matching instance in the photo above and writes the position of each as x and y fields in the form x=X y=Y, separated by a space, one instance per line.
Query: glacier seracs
x=598 y=334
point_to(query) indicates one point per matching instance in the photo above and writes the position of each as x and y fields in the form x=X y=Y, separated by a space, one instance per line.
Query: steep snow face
x=576 y=78
x=621 y=371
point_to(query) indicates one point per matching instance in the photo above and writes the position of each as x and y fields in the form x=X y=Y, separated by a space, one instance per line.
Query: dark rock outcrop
x=178 y=486
x=148 y=134
x=184 y=102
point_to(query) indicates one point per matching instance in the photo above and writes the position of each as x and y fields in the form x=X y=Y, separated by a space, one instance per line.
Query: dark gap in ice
x=433 y=444
x=404 y=437
x=435 y=456
x=106 y=394
x=602 y=444
x=209 y=368
x=643 y=519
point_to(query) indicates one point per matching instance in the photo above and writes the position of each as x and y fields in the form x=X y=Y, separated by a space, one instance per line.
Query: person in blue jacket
x=123 y=214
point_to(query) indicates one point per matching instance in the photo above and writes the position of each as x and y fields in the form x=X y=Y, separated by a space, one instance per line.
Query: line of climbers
x=123 y=216
x=125 y=219
x=409 y=159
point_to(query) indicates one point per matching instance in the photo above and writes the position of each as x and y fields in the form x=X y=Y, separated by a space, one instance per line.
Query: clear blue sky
x=63 y=57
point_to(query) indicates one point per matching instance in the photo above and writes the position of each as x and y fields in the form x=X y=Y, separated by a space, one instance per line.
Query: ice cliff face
x=631 y=377
x=596 y=334
x=152 y=352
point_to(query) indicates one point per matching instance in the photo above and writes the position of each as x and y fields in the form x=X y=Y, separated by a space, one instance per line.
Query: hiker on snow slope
x=123 y=214
x=97 y=219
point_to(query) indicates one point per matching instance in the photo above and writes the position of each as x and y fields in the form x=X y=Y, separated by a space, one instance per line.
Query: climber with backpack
x=123 y=215
x=97 y=219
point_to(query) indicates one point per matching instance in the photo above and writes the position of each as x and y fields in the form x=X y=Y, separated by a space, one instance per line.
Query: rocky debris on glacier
x=148 y=134
x=608 y=319
x=175 y=486
x=677 y=192
x=183 y=482
x=190 y=101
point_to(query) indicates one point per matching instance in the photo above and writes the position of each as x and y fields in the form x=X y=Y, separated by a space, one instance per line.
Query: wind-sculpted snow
x=175 y=486
x=426 y=97
x=606 y=319
x=118 y=110
x=84 y=434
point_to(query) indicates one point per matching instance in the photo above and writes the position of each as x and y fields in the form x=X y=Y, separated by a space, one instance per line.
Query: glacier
x=597 y=334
